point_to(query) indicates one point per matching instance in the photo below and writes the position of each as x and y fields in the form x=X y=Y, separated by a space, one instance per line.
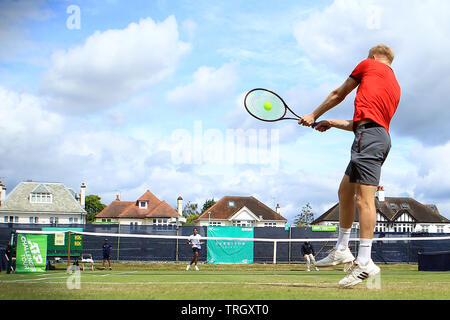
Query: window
x=161 y=222
x=231 y=204
x=215 y=223
x=393 y=206
x=70 y=220
x=41 y=198
x=405 y=206
x=143 y=204
x=440 y=229
x=53 y=220
x=5 y=219
x=31 y=219
x=243 y=223
x=36 y=219
x=425 y=228
x=75 y=220
x=270 y=224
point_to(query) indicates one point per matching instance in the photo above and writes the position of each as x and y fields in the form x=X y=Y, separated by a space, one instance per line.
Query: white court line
x=110 y=274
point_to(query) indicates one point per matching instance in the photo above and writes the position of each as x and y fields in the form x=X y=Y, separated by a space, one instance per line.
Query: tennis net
x=273 y=248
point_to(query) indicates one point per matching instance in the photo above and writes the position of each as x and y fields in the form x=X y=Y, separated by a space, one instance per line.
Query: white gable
x=244 y=215
x=405 y=218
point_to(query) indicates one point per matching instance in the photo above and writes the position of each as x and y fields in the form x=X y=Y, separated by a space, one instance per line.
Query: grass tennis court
x=170 y=281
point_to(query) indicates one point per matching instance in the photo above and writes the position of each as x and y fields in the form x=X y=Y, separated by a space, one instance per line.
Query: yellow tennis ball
x=268 y=106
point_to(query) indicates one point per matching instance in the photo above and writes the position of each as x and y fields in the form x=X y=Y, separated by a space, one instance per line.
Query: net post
x=275 y=252
x=68 y=252
x=118 y=243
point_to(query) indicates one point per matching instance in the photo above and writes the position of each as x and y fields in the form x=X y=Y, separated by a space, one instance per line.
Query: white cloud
x=209 y=85
x=342 y=34
x=23 y=119
x=112 y=65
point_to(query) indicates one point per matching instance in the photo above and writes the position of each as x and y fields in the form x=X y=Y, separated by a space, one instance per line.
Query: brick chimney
x=380 y=193
x=180 y=205
x=278 y=208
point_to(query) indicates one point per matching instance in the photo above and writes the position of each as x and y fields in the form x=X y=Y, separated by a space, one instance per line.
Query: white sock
x=364 y=252
x=344 y=237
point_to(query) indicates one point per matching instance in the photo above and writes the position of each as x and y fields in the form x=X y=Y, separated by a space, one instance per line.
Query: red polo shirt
x=378 y=94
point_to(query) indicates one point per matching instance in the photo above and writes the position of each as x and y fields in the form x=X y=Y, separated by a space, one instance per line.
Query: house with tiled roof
x=34 y=202
x=146 y=210
x=396 y=214
x=242 y=212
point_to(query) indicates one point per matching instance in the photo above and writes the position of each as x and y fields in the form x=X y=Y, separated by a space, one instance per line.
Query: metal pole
x=275 y=252
x=68 y=252
x=176 y=252
x=118 y=243
x=290 y=244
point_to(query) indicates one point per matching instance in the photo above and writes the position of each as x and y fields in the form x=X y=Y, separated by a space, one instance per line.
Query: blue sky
x=144 y=94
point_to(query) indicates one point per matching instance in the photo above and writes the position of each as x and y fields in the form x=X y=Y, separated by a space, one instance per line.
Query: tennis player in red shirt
x=376 y=101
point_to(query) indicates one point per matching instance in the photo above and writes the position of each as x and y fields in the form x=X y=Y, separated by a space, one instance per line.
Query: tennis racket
x=266 y=105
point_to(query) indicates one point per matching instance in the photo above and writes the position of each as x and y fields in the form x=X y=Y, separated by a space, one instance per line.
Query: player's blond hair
x=383 y=50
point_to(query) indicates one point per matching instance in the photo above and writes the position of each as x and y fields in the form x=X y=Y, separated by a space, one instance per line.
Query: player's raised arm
x=334 y=98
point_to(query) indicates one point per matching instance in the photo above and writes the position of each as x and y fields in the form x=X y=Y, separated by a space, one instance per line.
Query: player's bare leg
x=364 y=266
x=341 y=253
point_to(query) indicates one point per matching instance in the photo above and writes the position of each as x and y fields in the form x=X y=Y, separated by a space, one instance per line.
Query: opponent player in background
x=194 y=241
x=376 y=101
x=308 y=254
x=107 y=248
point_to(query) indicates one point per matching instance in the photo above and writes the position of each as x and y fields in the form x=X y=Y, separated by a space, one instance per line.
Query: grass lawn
x=170 y=281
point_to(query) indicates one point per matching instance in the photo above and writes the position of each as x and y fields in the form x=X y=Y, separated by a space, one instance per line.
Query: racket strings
x=265 y=105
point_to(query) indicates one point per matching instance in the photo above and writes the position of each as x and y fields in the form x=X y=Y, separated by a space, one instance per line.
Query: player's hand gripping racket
x=266 y=105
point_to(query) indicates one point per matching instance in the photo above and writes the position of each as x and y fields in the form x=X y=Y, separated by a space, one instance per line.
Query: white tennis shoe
x=336 y=257
x=196 y=268
x=188 y=267
x=358 y=274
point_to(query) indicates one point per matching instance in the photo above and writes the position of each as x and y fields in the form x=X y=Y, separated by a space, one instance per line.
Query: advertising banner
x=31 y=254
x=226 y=251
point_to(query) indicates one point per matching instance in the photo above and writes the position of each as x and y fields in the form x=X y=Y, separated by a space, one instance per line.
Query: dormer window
x=143 y=204
x=393 y=206
x=405 y=206
x=41 y=194
x=41 y=198
x=231 y=204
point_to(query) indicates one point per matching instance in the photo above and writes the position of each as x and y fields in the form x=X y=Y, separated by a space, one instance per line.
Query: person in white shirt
x=194 y=241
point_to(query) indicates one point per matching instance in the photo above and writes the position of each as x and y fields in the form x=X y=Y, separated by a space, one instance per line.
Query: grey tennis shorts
x=369 y=151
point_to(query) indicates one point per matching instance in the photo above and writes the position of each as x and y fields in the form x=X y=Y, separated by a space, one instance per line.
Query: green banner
x=324 y=228
x=230 y=251
x=31 y=254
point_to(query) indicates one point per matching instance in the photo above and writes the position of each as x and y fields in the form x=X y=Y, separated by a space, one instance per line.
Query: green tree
x=93 y=206
x=305 y=217
x=190 y=209
x=208 y=204
x=191 y=218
